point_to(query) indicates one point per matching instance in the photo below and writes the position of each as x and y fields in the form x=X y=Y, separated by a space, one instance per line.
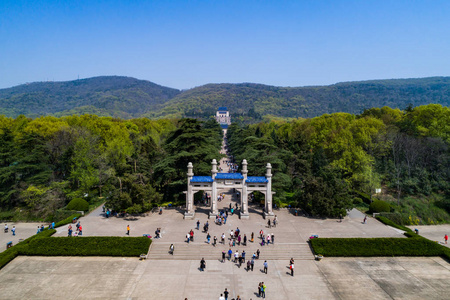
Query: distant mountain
x=351 y=97
x=129 y=97
x=118 y=96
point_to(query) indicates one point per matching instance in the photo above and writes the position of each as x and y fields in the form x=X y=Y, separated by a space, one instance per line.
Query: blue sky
x=182 y=44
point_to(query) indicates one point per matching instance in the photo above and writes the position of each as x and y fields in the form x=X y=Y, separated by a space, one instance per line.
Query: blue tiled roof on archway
x=201 y=179
x=256 y=179
x=229 y=176
x=223 y=108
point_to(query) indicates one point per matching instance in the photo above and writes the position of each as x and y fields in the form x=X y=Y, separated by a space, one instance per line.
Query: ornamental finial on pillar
x=269 y=170
x=190 y=169
x=214 y=168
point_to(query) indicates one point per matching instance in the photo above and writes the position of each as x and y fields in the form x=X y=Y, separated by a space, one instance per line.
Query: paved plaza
x=129 y=278
x=165 y=276
x=23 y=231
x=434 y=232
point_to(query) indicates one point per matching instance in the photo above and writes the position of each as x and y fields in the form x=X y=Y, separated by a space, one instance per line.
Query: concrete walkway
x=129 y=278
x=23 y=231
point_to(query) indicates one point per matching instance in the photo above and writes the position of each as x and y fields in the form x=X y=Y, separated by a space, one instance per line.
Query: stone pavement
x=129 y=278
x=23 y=231
x=433 y=232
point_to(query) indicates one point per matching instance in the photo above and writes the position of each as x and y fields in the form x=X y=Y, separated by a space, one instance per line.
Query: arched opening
x=256 y=202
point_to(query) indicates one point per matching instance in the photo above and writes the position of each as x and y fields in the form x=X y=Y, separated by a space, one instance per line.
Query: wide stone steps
x=196 y=251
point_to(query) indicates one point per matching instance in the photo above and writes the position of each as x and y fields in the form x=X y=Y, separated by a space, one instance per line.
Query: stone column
x=190 y=211
x=268 y=207
x=214 y=209
x=244 y=197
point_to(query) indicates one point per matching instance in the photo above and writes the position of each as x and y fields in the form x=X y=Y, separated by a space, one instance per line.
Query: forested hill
x=118 y=96
x=351 y=97
x=127 y=97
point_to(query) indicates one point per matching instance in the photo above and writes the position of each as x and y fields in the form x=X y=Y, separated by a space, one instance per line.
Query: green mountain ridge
x=128 y=97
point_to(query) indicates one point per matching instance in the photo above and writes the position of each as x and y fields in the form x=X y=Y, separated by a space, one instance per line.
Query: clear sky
x=182 y=44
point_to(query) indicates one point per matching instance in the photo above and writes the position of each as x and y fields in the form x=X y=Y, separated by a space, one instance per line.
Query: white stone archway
x=239 y=181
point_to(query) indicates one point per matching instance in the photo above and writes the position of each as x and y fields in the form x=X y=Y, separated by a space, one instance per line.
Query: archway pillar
x=190 y=211
x=214 y=210
x=268 y=203
x=244 y=196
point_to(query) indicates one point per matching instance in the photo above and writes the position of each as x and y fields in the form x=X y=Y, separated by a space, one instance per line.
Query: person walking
x=171 y=249
x=252 y=238
x=220 y=298
x=265 y=266
x=239 y=240
x=252 y=264
x=188 y=237
x=13 y=229
x=268 y=223
x=446 y=238
x=257 y=254
x=263 y=290
x=225 y=293
x=223 y=256
x=191 y=234
x=223 y=238
x=128 y=228
x=273 y=239
x=260 y=289
x=365 y=220
x=202 y=264
x=214 y=241
x=268 y=239
x=245 y=240
x=208 y=238
x=292 y=269
x=198 y=224
x=230 y=252
x=236 y=256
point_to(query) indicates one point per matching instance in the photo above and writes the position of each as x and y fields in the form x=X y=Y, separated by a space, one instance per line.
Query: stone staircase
x=197 y=250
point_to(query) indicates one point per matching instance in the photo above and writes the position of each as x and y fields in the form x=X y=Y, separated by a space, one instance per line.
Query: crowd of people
x=78 y=231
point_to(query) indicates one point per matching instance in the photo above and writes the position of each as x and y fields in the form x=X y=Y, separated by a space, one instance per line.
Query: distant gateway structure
x=223 y=117
x=239 y=181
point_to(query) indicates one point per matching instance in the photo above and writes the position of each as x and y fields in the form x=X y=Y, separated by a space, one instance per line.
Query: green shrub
x=78 y=204
x=379 y=206
x=390 y=223
x=89 y=246
x=357 y=200
x=67 y=220
x=350 y=247
x=363 y=196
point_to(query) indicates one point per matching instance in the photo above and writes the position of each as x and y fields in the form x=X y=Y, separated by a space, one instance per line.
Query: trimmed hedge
x=386 y=221
x=42 y=244
x=88 y=246
x=351 y=247
x=67 y=220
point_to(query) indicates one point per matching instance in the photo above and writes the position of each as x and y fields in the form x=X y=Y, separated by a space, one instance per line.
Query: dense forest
x=127 y=98
x=324 y=165
x=333 y=162
x=130 y=164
